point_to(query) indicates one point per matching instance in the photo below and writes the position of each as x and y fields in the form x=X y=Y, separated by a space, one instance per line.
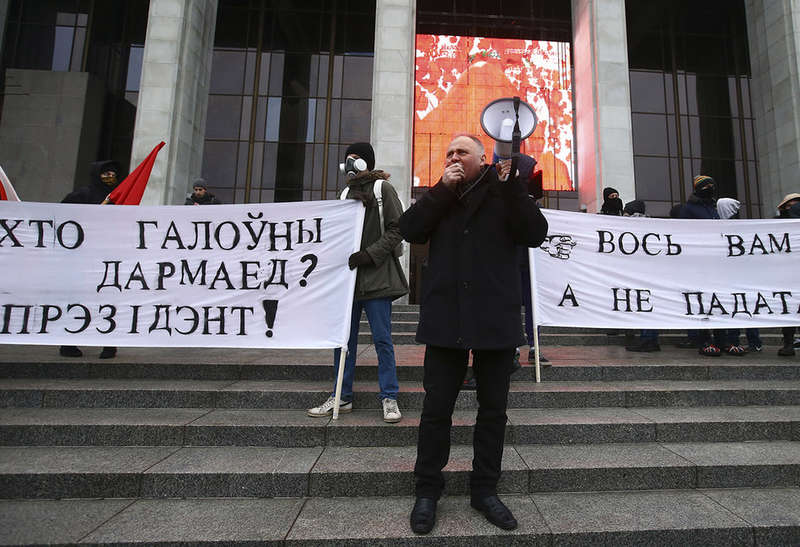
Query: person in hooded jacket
x=104 y=176
x=789 y=207
x=648 y=338
x=379 y=281
x=701 y=204
x=612 y=204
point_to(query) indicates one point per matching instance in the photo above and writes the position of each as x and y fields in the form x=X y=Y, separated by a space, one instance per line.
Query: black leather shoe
x=69 y=351
x=423 y=515
x=495 y=512
x=108 y=352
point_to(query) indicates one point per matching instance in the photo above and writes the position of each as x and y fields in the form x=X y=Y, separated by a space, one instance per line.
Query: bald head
x=465 y=156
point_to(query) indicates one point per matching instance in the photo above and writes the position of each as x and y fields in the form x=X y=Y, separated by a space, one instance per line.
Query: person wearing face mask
x=612 y=204
x=379 y=280
x=701 y=204
x=104 y=176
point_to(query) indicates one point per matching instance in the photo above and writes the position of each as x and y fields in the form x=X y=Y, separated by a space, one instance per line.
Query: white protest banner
x=637 y=272
x=260 y=275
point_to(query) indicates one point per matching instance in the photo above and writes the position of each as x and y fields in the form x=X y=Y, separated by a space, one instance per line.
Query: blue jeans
x=379 y=315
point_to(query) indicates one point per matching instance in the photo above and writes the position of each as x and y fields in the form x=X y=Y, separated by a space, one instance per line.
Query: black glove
x=358 y=195
x=361 y=258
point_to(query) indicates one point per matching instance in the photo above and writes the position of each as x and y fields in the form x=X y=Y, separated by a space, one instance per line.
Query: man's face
x=465 y=151
x=108 y=177
x=788 y=205
x=613 y=195
x=199 y=191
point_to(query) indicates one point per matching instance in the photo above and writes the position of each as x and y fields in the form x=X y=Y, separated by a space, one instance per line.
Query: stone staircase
x=405 y=319
x=210 y=446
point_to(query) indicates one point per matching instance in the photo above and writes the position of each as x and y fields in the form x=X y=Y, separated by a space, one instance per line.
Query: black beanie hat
x=608 y=191
x=364 y=151
x=635 y=206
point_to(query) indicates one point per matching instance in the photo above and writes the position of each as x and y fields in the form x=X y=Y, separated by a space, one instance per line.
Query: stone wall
x=50 y=131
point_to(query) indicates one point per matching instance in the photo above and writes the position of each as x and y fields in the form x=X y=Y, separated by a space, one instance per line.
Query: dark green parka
x=384 y=277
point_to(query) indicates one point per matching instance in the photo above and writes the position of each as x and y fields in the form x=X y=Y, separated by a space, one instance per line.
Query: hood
x=366 y=177
x=97 y=167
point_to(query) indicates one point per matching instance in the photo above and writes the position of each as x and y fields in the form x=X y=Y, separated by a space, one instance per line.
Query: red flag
x=130 y=190
x=7 y=192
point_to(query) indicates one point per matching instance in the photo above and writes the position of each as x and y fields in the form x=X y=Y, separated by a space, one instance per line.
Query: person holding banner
x=475 y=217
x=789 y=207
x=103 y=178
x=379 y=281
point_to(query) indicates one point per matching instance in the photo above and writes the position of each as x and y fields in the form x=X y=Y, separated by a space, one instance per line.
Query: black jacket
x=697 y=207
x=96 y=191
x=384 y=278
x=208 y=199
x=471 y=288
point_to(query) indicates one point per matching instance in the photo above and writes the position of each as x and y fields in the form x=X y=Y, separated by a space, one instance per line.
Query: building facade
x=261 y=97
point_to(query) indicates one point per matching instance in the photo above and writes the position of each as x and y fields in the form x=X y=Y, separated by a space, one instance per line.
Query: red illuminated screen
x=457 y=76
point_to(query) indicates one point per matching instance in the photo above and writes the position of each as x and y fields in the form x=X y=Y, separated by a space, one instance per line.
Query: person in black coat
x=104 y=176
x=470 y=299
x=200 y=195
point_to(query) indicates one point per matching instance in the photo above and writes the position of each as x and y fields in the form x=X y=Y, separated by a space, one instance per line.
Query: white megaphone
x=499 y=117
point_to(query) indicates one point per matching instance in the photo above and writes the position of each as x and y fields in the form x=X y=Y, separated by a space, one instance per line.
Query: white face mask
x=352 y=167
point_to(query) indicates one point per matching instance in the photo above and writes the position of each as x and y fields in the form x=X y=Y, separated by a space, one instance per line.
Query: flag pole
x=339 y=378
x=532 y=269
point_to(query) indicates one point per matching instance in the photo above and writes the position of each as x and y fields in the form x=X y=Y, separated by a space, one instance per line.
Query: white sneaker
x=326 y=408
x=391 y=412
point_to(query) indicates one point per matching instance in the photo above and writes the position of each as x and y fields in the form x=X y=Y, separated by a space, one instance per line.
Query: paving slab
x=231 y=471
x=385 y=522
x=657 y=517
x=113 y=393
x=38 y=522
x=107 y=426
x=367 y=428
x=200 y=522
x=774 y=513
x=726 y=465
x=580 y=426
x=281 y=428
x=76 y=472
x=722 y=424
x=388 y=471
x=580 y=468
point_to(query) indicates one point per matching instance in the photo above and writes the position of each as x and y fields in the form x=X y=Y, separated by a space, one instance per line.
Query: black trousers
x=444 y=373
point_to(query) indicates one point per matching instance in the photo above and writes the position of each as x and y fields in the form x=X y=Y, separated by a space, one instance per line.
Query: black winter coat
x=471 y=289
x=697 y=207
x=208 y=199
x=96 y=191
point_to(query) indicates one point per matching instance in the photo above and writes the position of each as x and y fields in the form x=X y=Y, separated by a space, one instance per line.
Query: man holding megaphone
x=474 y=217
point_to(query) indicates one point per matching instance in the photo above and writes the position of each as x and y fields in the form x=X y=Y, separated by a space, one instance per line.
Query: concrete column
x=3 y=18
x=392 y=126
x=392 y=129
x=774 y=34
x=173 y=95
x=602 y=101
